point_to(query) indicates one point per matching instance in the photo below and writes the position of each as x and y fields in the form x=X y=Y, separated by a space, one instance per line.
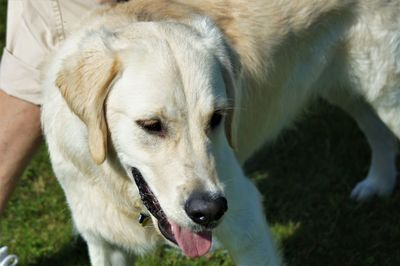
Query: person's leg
x=20 y=134
x=27 y=22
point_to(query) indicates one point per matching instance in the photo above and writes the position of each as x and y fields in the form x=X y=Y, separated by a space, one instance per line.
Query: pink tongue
x=192 y=244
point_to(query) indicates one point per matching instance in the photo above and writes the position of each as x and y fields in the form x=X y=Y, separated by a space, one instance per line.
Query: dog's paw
x=371 y=187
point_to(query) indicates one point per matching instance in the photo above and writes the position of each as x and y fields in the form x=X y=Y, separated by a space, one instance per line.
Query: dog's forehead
x=202 y=80
x=161 y=80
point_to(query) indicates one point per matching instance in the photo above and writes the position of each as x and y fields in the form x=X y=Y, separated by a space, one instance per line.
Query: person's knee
x=20 y=135
x=17 y=115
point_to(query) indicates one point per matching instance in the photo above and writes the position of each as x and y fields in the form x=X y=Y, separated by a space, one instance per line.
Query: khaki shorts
x=35 y=28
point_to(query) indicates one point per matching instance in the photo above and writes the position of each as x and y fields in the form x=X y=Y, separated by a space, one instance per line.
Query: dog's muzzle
x=193 y=244
x=153 y=206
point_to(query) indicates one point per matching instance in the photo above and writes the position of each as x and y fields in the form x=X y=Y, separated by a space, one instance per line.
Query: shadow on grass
x=75 y=254
x=306 y=178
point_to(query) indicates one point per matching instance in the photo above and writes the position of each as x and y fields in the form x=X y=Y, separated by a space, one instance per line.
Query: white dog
x=151 y=108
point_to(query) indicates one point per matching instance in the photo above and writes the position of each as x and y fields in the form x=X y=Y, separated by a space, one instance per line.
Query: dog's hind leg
x=381 y=178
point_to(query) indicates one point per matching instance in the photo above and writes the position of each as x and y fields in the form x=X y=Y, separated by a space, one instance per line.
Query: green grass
x=305 y=177
x=3 y=9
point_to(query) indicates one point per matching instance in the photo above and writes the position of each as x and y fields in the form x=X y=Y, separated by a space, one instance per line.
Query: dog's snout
x=203 y=209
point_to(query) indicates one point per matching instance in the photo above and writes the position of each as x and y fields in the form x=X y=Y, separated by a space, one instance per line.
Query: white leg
x=381 y=178
x=98 y=254
x=103 y=254
x=244 y=230
x=121 y=257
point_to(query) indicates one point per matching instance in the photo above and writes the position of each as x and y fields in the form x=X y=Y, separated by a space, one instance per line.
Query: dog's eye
x=215 y=120
x=153 y=126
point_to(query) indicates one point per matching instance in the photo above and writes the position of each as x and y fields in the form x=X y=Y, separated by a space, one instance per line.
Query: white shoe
x=7 y=260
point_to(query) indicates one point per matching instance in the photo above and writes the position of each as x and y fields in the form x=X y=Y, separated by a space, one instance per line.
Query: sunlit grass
x=283 y=232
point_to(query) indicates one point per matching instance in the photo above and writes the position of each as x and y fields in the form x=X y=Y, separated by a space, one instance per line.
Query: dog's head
x=160 y=94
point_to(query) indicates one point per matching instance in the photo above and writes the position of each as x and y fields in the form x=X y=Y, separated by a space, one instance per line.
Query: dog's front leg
x=244 y=230
x=98 y=253
x=103 y=254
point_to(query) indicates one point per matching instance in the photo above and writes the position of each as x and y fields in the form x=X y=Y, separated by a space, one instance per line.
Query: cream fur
x=261 y=62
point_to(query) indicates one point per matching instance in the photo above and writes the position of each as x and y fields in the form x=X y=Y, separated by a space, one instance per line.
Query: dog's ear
x=84 y=81
x=231 y=71
x=229 y=61
x=232 y=94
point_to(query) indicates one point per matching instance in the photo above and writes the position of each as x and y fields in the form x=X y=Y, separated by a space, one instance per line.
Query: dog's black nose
x=203 y=209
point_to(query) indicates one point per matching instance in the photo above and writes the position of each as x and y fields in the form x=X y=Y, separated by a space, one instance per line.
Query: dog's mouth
x=193 y=244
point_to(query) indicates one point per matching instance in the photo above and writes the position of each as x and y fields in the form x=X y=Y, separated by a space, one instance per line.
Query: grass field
x=306 y=178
